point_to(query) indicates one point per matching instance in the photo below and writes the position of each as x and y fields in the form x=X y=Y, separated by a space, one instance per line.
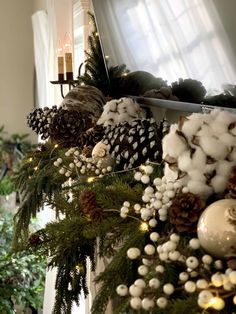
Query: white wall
x=16 y=65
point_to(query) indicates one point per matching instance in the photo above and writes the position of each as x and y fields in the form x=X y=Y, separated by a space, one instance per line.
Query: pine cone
x=230 y=191
x=131 y=144
x=89 y=206
x=87 y=151
x=39 y=120
x=189 y=90
x=185 y=211
x=67 y=126
x=35 y=239
x=92 y=136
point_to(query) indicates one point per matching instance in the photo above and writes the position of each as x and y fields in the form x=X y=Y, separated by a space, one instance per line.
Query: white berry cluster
x=201 y=274
x=157 y=197
x=120 y=110
x=81 y=165
x=201 y=150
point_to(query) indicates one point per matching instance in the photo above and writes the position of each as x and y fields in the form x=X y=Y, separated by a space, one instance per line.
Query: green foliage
x=22 y=274
x=6 y=185
x=97 y=72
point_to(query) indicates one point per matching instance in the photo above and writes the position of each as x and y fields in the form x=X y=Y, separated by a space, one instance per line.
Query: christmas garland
x=157 y=203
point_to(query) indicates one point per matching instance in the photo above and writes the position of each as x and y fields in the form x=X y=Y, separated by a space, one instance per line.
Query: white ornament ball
x=157 y=181
x=160 y=269
x=216 y=228
x=122 y=290
x=192 y=262
x=135 y=291
x=147 y=304
x=133 y=253
x=183 y=276
x=149 y=249
x=148 y=169
x=218 y=303
x=202 y=284
x=154 y=283
x=145 y=179
x=152 y=222
x=175 y=237
x=190 y=286
x=207 y=259
x=136 y=303
x=143 y=270
x=234 y=299
x=194 y=243
x=147 y=262
x=217 y=280
x=168 y=288
x=138 y=176
x=232 y=277
x=205 y=296
x=154 y=236
x=140 y=283
x=162 y=302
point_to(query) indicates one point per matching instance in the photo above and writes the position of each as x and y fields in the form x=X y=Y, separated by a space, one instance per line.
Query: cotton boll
x=218 y=183
x=233 y=130
x=123 y=117
x=173 y=145
x=213 y=147
x=218 y=127
x=233 y=155
x=199 y=159
x=196 y=175
x=171 y=176
x=223 y=167
x=209 y=168
x=112 y=105
x=205 y=131
x=225 y=117
x=185 y=161
x=227 y=139
x=191 y=126
x=197 y=187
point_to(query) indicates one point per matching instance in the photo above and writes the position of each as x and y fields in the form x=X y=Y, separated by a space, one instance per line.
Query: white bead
x=145 y=179
x=157 y=204
x=162 y=302
x=201 y=284
x=123 y=215
x=168 y=288
x=207 y=259
x=205 y=296
x=137 y=207
x=62 y=171
x=56 y=164
x=126 y=204
x=59 y=160
x=109 y=168
x=161 y=188
x=137 y=176
x=194 y=274
x=149 y=249
x=143 y=270
x=190 y=286
x=140 y=283
x=133 y=253
x=147 y=262
x=160 y=269
x=218 y=303
x=194 y=243
x=147 y=304
x=165 y=200
x=218 y=264
x=162 y=211
x=174 y=255
x=154 y=236
x=163 y=256
x=170 y=194
x=158 y=195
x=157 y=181
x=122 y=290
x=124 y=210
x=68 y=174
x=217 y=280
x=192 y=262
x=136 y=303
x=146 y=198
x=185 y=189
x=154 y=283
x=175 y=237
x=171 y=245
x=234 y=299
x=135 y=291
x=149 y=190
x=177 y=185
x=232 y=277
x=183 y=276
x=170 y=186
x=152 y=222
x=148 y=169
x=163 y=218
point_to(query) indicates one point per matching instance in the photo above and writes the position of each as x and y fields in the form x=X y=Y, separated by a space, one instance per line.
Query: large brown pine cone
x=89 y=206
x=231 y=184
x=66 y=127
x=185 y=211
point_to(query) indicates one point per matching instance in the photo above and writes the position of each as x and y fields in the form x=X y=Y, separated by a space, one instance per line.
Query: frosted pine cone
x=231 y=184
x=185 y=211
x=89 y=206
x=91 y=136
x=67 y=126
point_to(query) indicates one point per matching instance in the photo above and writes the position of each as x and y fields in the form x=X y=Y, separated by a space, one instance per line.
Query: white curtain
x=170 y=39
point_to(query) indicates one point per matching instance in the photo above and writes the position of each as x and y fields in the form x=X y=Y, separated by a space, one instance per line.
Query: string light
x=142 y=167
x=91 y=179
x=30 y=159
x=36 y=168
x=97 y=34
x=107 y=57
x=56 y=145
x=143 y=227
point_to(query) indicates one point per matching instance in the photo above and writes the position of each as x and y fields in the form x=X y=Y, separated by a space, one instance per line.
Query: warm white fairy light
x=91 y=179
x=144 y=227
